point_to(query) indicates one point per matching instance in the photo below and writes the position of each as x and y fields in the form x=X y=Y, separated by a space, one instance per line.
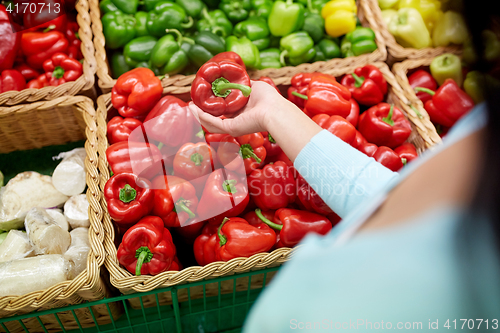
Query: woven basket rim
x=395 y=49
x=127 y=283
x=106 y=82
x=89 y=280
x=84 y=82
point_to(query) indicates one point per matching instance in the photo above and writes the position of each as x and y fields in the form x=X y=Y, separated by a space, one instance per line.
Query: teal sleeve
x=341 y=175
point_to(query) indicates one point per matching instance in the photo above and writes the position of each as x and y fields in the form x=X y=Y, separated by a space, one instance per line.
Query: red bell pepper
x=360 y=140
x=309 y=199
x=194 y=162
x=221 y=88
x=273 y=186
x=367 y=148
x=133 y=157
x=238 y=238
x=269 y=81
x=272 y=148
x=252 y=217
x=384 y=155
x=40 y=46
x=27 y=72
x=147 y=248
x=49 y=14
x=74 y=48
x=40 y=82
x=326 y=95
x=384 y=125
x=423 y=79
x=10 y=79
x=367 y=85
x=353 y=116
x=299 y=84
x=249 y=146
x=225 y=195
x=176 y=265
x=280 y=157
x=448 y=104
x=407 y=152
x=10 y=41
x=62 y=69
x=338 y=126
x=295 y=224
x=129 y=198
x=175 y=200
x=228 y=56
x=119 y=128
x=136 y=92
x=170 y=122
x=204 y=245
x=191 y=231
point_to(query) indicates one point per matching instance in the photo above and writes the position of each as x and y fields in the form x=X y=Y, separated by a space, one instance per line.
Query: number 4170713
x=471 y=324
x=32 y=7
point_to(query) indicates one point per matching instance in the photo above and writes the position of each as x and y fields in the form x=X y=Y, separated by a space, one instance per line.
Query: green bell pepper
x=147 y=64
x=314 y=5
x=141 y=19
x=255 y=29
x=492 y=45
x=150 y=5
x=248 y=51
x=326 y=49
x=473 y=86
x=261 y=8
x=409 y=29
x=167 y=15
x=298 y=47
x=357 y=42
x=285 y=18
x=139 y=50
x=447 y=66
x=118 y=29
x=118 y=65
x=270 y=58
x=126 y=6
x=212 y=4
x=236 y=10
x=206 y=45
x=215 y=21
x=168 y=56
x=314 y=25
x=192 y=7
x=107 y=6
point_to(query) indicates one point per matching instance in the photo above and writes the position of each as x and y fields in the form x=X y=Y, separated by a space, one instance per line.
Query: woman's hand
x=254 y=117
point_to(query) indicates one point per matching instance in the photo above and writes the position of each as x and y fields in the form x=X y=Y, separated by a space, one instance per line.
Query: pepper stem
x=217 y=30
x=404 y=160
x=50 y=27
x=310 y=7
x=58 y=72
x=294 y=93
x=143 y=255
x=222 y=88
x=229 y=185
x=197 y=158
x=247 y=152
x=206 y=16
x=160 y=145
x=270 y=138
x=222 y=238
x=430 y=92
x=358 y=81
x=188 y=24
x=282 y=57
x=417 y=112
x=179 y=37
x=181 y=203
x=388 y=119
x=289 y=2
x=127 y=194
x=267 y=221
x=200 y=134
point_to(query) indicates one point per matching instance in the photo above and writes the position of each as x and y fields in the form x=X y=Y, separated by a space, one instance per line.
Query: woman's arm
x=340 y=174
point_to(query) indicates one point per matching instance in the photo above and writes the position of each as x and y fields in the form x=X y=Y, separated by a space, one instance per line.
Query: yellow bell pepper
x=429 y=9
x=340 y=17
x=387 y=4
x=450 y=29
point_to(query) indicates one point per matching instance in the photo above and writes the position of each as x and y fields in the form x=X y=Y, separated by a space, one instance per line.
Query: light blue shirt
x=429 y=272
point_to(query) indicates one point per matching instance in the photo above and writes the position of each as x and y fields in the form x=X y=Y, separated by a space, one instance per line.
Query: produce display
x=179 y=37
x=212 y=193
x=37 y=237
x=36 y=49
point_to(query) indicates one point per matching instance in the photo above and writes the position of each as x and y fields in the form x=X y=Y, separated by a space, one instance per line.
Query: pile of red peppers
x=225 y=196
x=39 y=48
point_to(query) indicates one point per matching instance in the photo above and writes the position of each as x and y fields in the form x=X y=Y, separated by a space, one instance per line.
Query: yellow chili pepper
x=340 y=17
x=429 y=9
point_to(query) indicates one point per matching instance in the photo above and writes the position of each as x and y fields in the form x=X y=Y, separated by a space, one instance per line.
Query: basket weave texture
x=83 y=85
x=106 y=82
x=88 y=285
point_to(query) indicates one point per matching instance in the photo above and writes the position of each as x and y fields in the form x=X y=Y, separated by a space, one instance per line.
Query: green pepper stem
x=143 y=255
x=127 y=194
x=388 y=119
x=247 y=152
x=50 y=27
x=266 y=221
x=229 y=185
x=426 y=90
x=200 y=134
x=310 y=7
x=216 y=30
x=58 y=72
x=222 y=238
x=188 y=24
x=179 y=37
x=206 y=16
x=404 y=161
x=181 y=203
x=222 y=88
x=283 y=55
x=197 y=158
x=419 y=115
x=160 y=145
x=358 y=81
x=289 y=2
x=270 y=138
x=294 y=93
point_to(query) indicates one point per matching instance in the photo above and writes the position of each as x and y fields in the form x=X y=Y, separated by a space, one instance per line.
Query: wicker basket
x=106 y=82
x=85 y=83
x=398 y=52
x=424 y=135
x=88 y=285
